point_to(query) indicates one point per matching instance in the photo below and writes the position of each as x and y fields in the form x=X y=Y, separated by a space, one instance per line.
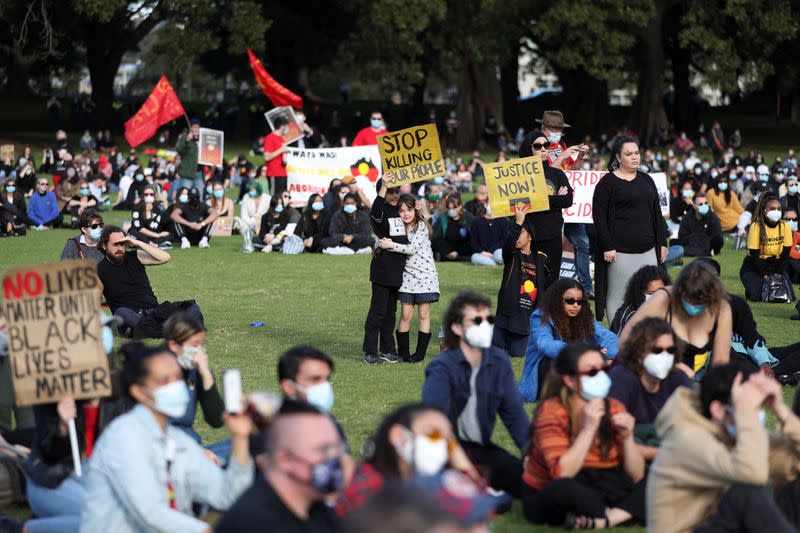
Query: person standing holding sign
x=631 y=231
x=274 y=151
x=547 y=224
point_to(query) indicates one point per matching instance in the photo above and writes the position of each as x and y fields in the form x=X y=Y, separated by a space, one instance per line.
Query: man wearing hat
x=552 y=125
x=187 y=148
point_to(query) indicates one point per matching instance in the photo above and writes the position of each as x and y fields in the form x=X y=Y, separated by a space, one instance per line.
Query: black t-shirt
x=519 y=321
x=547 y=224
x=643 y=406
x=633 y=208
x=194 y=214
x=260 y=509
x=127 y=284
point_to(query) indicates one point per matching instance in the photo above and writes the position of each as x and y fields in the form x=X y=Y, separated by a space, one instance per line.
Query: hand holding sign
x=514 y=184
x=521 y=211
x=67 y=411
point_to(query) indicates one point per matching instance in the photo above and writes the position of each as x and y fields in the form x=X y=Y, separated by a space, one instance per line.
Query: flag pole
x=187 y=120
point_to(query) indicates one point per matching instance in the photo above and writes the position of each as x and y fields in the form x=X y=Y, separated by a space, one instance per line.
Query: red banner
x=160 y=107
x=277 y=93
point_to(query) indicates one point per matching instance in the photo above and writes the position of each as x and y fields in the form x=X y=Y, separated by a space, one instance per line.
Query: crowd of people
x=657 y=419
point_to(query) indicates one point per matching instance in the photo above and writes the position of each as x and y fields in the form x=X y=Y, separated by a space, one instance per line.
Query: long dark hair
x=759 y=217
x=616 y=149
x=634 y=291
x=142 y=207
x=273 y=202
x=566 y=364
x=727 y=192
x=580 y=328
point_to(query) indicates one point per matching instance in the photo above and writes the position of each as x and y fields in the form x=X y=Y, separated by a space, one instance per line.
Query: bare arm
x=721 y=352
x=148 y=254
x=176 y=216
x=656 y=306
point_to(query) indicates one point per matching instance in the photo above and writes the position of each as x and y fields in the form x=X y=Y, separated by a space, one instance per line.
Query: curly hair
x=634 y=291
x=579 y=328
x=699 y=284
x=641 y=340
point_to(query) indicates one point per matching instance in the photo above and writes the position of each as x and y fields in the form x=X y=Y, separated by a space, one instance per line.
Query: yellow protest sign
x=516 y=182
x=54 y=341
x=413 y=154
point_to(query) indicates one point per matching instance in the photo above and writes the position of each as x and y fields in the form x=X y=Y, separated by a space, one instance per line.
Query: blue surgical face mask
x=793 y=225
x=438 y=180
x=376 y=123
x=253 y=193
x=320 y=395
x=702 y=209
x=11 y=188
x=452 y=213
x=318 y=206
x=219 y=194
x=95 y=233
x=108 y=339
x=210 y=189
x=85 y=192
x=733 y=176
x=279 y=208
x=691 y=309
x=595 y=387
x=763 y=177
x=687 y=193
x=722 y=186
x=554 y=137
x=172 y=399
x=349 y=209
x=792 y=189
x=139 y=177
x=183 y=198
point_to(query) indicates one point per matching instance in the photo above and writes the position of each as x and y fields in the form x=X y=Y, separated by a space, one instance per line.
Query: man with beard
x=124 y=280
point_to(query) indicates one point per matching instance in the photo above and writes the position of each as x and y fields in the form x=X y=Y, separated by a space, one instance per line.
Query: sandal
x=575 y=521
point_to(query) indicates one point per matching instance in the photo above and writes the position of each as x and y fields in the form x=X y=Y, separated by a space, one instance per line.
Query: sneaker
x=203 y=243
x=365 y=250
x=267 y=248
x=373 y=359
x=247 y=250
x=185 y=243
x=391 y=357
x=165 y=246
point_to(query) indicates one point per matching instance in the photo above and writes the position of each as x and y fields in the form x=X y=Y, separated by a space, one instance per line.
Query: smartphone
x=232 y=388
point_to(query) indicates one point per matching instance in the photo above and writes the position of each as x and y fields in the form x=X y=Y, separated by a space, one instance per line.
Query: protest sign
x=212 y=145
x=7 y=153
x=288 y=113
x=517 y=182
x=310 y=171
x=413 y=154
x=54 y=337
x=222 y=227
x=583 y=183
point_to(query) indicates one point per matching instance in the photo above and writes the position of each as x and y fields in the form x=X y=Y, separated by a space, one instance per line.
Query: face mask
x=763 y=177
x=554 y=137
x=706 y=166
x=793 y=225
x=172 y=399
x=452 y=213
x=432 y=197
x=11 y=188
x=279 y=208
x=479 y=336
x=71 y=173
x=733 y=176
x=320 y=396
x=318 y=206
x=774 y=215
x=438 y=180
x=253 y=193
x=792 y=189
x=692 y=310
x=139 y=177
x=85 y=192
x=679 y=168
x=658 y=365
x=349 y=209
x=595 y=387
x=702 y=209
x=714 y=173
x=327 y=477
x=95 y=233
x=426 y=456
x=687 y=193
x=219 y=194
x=779 y=178
x=586 y=166
x=209 y=189
x=186 y=358
x=183 y=198
x=722 y=186
x=376 y=123
x=730 y=428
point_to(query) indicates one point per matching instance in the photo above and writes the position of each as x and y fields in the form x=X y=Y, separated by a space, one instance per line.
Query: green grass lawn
x=321 y=300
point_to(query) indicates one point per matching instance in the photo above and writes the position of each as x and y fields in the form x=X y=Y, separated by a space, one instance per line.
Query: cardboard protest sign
x=54 y=337
x=294 y=128
x=211 y=145
x=7 y=153
x=413 y=154
x=584 y=181
x=310 y=171
x=222 y=227
x=517 y=182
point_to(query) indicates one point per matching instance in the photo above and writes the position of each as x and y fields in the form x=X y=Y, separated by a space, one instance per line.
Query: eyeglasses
x=573 y=301
x=541 y=146
x=668 y=349
x=478 y=320
x=592 y=372
x=43 y=184
x=94 y=226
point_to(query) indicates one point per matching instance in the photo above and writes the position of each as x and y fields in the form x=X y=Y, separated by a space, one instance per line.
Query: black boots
x=403 y=349
x=423 y=339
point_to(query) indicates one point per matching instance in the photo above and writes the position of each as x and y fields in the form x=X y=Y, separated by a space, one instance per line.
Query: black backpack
x=777 y=289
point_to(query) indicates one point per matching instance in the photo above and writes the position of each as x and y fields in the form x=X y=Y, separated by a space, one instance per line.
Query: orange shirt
x=550 y=438
x=795 y=253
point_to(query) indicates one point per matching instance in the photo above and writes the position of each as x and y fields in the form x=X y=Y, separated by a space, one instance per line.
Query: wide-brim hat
x=552 y=119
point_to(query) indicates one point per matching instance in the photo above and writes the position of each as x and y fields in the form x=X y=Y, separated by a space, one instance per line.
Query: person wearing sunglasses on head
x=650 y=372
x=473 y=381
x=547 y=225
x=564 y=315
x=584 y=469
x=84 y=245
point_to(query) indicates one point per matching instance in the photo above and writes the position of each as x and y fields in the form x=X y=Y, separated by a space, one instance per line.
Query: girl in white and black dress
x=150 y=222
x=420 y=280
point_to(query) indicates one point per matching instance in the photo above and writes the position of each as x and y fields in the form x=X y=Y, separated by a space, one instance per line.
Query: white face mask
x=774 y=215
x=554 y=137
x=425 y=455
x=595 y=387
x=479 y=336
x=659 y=364
x=186 y=358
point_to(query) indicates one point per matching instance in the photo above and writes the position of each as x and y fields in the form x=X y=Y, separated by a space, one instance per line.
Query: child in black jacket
x=386 y=275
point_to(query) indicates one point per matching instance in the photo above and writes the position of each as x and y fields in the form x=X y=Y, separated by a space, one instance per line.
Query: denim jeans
x=197 y=183
x=57 y=510
x=675 y=251
x=576 y=235
x=482 y=260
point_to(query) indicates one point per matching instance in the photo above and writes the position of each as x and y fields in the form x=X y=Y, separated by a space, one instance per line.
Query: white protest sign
x=310 y=171
x=583 y=183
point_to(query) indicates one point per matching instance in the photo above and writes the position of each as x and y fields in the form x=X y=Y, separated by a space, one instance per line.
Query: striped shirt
x=550 y=439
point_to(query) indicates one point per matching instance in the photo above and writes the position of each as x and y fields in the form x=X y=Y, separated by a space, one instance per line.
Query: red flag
x=277 y=93
x=160 y=107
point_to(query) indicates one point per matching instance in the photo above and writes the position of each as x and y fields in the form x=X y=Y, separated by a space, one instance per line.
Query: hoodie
x=697 y=463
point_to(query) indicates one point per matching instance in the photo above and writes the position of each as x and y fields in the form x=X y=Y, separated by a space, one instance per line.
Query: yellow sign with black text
x=516 y=183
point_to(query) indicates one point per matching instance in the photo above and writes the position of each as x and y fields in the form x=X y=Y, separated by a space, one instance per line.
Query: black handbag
x=12 y=477
x=777 y=289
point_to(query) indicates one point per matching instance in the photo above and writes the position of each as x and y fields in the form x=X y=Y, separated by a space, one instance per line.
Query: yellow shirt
x=777 y=238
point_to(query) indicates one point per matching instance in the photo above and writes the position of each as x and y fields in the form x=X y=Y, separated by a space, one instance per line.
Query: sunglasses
x=392 y=191
x=94 y=226
x=478 y=320
x=43 y=184
x=592 y=372
x=149 y=194
x=669 y=349
x=541 y=146
x=573 y=301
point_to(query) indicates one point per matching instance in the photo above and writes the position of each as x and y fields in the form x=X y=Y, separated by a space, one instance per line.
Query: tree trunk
x=681 y=115
x=509 y=88
x=479 y=96
x=18 y=75
x=104 y=50
x=586 y=101
x=648 y=112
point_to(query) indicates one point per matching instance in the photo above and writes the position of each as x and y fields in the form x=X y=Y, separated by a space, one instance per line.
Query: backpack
x=293 y=245
x=12 y=478
x=777 y=289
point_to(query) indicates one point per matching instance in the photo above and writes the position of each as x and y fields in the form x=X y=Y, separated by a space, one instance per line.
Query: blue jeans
x=197 y=183
x=58 y=510
x=576 y=235
x=482 y=260
x=675 y=251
